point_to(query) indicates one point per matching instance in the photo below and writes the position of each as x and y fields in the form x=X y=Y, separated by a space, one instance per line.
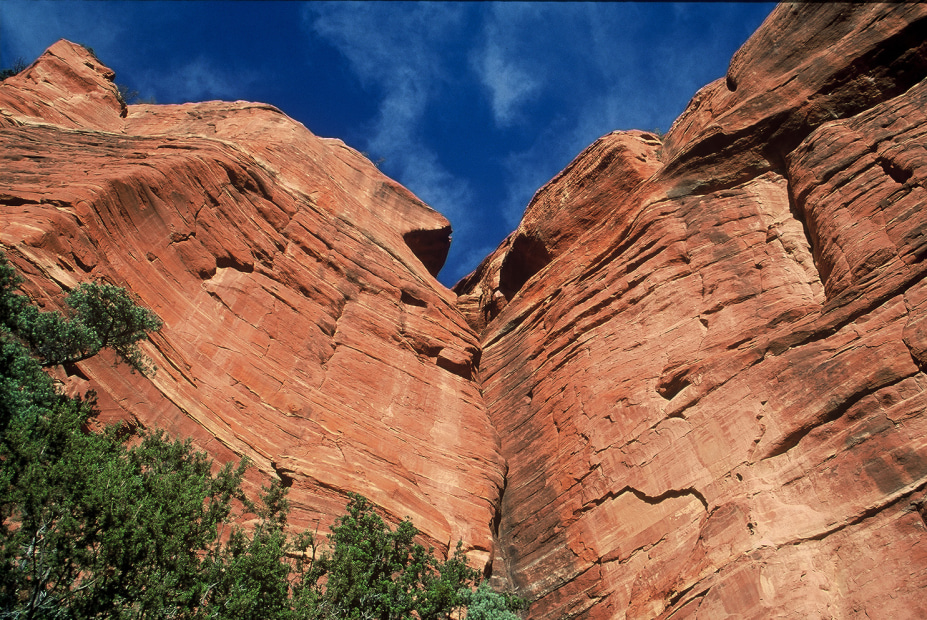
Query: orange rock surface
x=691 y=384
x=712 y=403
x=303 y=326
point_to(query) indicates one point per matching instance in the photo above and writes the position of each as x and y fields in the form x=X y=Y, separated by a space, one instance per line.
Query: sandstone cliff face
x=695 y=373
x=303 y=327
x=713 y=402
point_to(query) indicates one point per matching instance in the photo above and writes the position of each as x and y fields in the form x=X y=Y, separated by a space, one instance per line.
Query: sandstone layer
x=712 y=402
x=303 y=326
x=690 y=384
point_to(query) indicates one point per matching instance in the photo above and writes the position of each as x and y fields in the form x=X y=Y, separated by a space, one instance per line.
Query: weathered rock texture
x=712 y=397
x=695 y=373
x=303 y=327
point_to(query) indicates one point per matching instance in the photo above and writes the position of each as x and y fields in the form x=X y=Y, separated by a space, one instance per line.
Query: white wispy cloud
x=397 y=53
x=509 y=84
x=601 y=66
x=524 y=53
x=558 y=56
x=197 y=80
x=509 y=62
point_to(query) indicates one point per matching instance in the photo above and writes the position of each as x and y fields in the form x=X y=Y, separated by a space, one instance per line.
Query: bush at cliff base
x=95 y=526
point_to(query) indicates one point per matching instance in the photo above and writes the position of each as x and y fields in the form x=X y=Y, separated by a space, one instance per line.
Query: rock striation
x=712 y=403
x=303 y=326
x=690 y=384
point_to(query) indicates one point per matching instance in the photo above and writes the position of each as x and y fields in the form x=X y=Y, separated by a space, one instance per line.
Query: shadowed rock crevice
x=233 y=262
x=246 y=179
x=461 y=363
x=409 y=299
x=892 y=169
x=430 y=247
x=526 y=257
x=14 y=201
x=690 y=598
x=670 y=494
x=921 y=506
x=914 y=334
x=673 y=383
x=798 y=215
x=283 y=475
x=652 y=500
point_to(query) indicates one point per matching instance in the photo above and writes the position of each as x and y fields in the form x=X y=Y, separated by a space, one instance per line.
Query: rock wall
x=303 y=327
x=690 y=384
x=712 y=404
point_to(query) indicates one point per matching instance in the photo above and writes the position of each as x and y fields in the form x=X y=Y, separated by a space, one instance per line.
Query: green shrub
x=93 y=526
x=375 y=572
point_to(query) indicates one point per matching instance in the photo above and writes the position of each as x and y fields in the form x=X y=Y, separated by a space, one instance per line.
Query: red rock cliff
x=695 y=373
x=712 y=402
x=303 y=327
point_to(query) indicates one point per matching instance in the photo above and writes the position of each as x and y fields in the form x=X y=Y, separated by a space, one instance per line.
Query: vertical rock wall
x=712 y=403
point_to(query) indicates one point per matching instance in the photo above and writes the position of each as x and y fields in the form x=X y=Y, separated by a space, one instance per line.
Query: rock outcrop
x=303 y=326
x=690 y=384
x=712 y=403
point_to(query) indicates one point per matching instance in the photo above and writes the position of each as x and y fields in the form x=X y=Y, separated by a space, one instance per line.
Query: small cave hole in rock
x=730 y=82
x=497 y=517
x=73 y=370
x=286 y=480
x=230 y=262
x=411 y=300
x=896 y=172
x=526 y=257
x=670 y=386
x=430 y=247
x=921 y=508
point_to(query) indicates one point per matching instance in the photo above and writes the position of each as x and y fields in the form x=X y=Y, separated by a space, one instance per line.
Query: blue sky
x=472 y=106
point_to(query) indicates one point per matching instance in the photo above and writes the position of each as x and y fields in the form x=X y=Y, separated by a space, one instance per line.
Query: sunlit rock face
x=689 y=384
x=303 y=325
x=711 y=397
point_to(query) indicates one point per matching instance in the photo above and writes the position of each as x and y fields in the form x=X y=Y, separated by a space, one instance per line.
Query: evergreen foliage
x=486 y=604
x=95 y=526
x=374 y=572
x=103 y=316
x=18 y=65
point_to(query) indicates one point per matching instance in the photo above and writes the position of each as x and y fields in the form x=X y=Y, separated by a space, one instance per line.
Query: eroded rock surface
x=712 y=402
x=302 y=327
x=695 y=373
